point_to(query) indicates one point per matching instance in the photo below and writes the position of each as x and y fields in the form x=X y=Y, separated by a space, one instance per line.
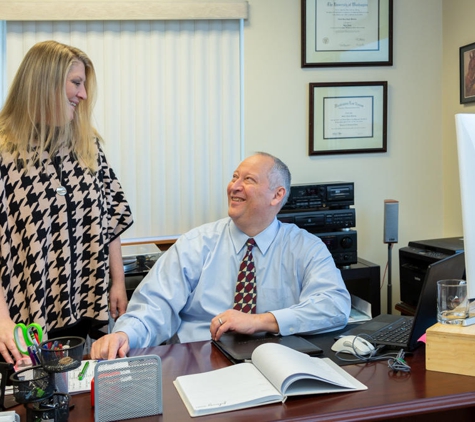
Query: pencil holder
x=54 y=409
x=61 y=380
x=32 y=384
x=61 y=354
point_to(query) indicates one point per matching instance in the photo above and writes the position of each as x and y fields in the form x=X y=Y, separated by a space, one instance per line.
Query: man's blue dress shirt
x=195 y=280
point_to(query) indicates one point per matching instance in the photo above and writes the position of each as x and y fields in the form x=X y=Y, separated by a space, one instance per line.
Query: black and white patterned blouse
x=54 y=249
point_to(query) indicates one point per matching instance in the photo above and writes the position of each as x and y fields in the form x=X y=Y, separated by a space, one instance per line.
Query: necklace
x=61 y=190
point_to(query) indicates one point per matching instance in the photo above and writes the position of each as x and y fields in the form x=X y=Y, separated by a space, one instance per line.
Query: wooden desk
x=419 y=396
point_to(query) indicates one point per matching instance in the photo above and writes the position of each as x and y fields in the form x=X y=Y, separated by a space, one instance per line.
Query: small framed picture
x=346 y=33
x=467 y=73
x=348 y=117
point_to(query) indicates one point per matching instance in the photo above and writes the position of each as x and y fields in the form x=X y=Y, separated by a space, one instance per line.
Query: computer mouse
x=352 y=344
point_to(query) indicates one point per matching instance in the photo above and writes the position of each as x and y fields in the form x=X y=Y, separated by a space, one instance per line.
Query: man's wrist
x=268 y=323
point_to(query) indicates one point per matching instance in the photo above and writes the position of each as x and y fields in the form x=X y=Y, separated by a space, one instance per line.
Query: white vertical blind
x=3 y=29
x=169 y=109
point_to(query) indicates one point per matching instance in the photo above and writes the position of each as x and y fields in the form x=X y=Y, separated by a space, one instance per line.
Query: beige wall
x=458 y=19
x=413 y=171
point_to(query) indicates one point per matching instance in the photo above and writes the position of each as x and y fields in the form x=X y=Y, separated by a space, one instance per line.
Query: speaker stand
x=390 y=286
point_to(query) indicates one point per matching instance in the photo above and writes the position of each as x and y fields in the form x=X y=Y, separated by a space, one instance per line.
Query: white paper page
x=281 y=365
x=304 y=386
x=360 y=310
x=9 y=416
x=226 y=388
x=75 y=385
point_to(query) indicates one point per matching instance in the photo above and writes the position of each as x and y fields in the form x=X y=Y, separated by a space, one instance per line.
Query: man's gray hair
x=279 y=175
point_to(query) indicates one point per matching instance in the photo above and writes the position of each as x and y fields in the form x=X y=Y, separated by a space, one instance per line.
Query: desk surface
x=413 y=395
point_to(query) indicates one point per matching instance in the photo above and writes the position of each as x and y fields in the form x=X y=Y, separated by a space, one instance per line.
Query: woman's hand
x=117 y=291
x=8 y=347
x=117 y=300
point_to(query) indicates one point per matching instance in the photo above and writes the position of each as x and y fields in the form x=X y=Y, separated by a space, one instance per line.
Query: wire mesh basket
x=128 y=388
x=32 y=384
x=56 y=409
x=61 y=354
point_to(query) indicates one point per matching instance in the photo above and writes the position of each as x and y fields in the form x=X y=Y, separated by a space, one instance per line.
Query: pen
x=32 y=336
x=83 y=371
x=32 y=356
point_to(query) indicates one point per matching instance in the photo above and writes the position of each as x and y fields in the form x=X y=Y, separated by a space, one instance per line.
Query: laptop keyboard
x=395 y=334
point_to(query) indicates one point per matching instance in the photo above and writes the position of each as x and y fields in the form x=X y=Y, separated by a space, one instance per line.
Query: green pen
x=83 y=371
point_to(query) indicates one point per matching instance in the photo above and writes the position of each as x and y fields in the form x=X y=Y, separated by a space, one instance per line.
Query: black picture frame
x=346 y=33
x=348 y=117
x=467 y=73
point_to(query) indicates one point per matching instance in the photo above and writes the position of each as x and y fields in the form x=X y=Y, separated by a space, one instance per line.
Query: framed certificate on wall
x=347 y=33
x=347 y=117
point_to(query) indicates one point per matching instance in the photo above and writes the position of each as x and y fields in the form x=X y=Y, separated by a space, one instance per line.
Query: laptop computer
x=397 y=331
x=239 y=347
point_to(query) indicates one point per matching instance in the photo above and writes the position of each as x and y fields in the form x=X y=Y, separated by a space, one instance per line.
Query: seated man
x=190 y=293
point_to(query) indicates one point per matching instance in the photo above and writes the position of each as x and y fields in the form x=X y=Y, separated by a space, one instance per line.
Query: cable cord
x=395 y=360
x=398 y=363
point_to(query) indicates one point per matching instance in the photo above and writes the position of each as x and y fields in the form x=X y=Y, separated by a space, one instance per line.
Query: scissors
x=31 y=334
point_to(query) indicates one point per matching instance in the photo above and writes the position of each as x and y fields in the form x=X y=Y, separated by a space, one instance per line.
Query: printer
x=414 y=260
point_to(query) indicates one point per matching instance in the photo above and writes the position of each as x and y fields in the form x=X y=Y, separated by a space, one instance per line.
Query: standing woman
x=62 y=208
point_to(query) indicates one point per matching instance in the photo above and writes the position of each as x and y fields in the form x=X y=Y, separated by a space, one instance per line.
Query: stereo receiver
x=342 y=246
x=314 y=196
x=324 y=220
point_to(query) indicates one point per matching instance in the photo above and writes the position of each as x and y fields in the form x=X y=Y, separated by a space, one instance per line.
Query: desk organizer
x=127 y=388
x=55 y=409
x=62 y=354
x=450 y=348
x=37 y=387
x=32 y=384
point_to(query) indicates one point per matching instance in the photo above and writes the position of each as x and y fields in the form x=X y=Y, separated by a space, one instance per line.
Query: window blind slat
x=168 y=108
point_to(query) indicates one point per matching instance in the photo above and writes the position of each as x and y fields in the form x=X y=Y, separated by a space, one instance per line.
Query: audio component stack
x=324 y=210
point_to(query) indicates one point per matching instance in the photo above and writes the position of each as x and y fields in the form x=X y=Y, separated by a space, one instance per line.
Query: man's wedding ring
x=220 y=321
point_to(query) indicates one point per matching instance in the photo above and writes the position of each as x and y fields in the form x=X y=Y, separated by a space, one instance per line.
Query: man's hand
x=111 y=346
x=243 y=323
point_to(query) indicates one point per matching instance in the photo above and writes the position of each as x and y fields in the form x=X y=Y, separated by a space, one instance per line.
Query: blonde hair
x=35 y=117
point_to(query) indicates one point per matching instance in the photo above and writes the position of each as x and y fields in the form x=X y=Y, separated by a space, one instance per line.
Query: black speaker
x=391 y=212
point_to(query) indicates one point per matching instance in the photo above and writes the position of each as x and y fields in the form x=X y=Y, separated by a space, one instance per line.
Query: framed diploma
x=347 y=33
x=467 y=73
x=348 y=117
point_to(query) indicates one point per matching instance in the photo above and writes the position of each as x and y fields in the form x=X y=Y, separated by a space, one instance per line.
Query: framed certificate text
x=347 y=117
x=347 y=33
